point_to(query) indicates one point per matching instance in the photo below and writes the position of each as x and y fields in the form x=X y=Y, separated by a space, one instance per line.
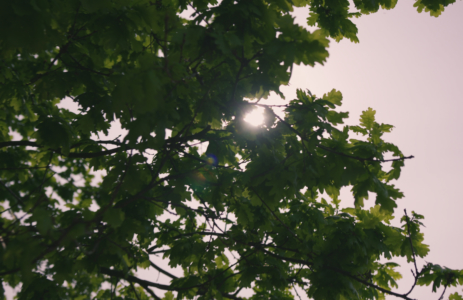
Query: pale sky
x=408 y=67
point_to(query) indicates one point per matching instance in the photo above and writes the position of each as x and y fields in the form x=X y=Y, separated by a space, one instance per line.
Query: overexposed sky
x=409 y=68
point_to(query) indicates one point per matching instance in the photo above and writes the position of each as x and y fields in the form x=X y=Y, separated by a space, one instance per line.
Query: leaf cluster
x=236 y=207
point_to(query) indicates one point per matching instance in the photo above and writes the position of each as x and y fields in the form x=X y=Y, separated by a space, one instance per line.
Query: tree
x=259 y=218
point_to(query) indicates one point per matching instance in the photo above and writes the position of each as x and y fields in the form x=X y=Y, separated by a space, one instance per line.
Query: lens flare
x=212 y=160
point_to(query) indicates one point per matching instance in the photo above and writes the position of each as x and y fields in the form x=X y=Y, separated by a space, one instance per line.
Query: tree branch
x=337 y=152
x=81 y=67
x=442 y=296
x=72 y=154
x=94 y=154
x=145 y=284
x=299 y=261
x=130 y=278
x=134 y=290
x=276 y=217
x=18 y=199
x=361 y=158
x=18 y=143
x=163 y=271
x=371 y=284
x=416 y=274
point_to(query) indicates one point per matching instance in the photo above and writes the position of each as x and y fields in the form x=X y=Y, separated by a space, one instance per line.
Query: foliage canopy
x=259 y=218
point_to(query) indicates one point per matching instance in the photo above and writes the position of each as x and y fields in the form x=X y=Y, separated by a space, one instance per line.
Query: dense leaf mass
x=236 y=207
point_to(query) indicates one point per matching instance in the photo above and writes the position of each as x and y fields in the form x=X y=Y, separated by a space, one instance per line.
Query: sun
x=255 y=117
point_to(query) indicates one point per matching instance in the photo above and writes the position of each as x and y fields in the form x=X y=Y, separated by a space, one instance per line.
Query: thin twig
x=294 y=287
x=442 y=296
x=416 y=273
x=196 y=11
x=337 y=152
x=22 y=168
x=163 y=271
x=276 y=217
x=266 y=105
x=364 y=159
x=70 y=155
x=134 y=290
x=80 y=66
x=18 y=199
x=410 y=240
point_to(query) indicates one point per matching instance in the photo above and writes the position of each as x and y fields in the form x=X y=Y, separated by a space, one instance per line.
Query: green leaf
x=54 y=134
x=367 y=118
x=334 y=97
x=114 y=217
x=168 y=296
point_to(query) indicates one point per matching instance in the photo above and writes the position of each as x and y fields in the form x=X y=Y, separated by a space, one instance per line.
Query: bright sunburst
x=255 y=117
